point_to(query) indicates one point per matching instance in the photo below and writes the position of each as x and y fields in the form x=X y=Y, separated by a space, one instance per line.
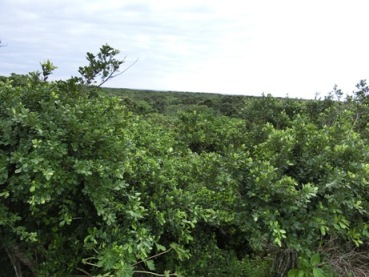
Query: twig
x=155 y=274
x=111 y=76
x=83 y=271
x=152 y=257
x=15 y=263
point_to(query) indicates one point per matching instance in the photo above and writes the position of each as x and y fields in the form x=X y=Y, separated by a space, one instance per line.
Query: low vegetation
x=113 y=182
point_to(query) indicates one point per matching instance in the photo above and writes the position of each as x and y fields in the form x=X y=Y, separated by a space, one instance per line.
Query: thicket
x=98 y=185
x=169 y=103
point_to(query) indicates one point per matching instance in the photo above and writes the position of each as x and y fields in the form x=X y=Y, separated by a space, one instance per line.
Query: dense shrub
x=105 y=186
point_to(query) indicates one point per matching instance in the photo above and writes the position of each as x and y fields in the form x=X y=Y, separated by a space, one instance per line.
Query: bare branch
x=111 y=76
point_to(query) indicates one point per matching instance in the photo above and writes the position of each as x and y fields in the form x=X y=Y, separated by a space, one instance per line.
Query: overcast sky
x=286 y=47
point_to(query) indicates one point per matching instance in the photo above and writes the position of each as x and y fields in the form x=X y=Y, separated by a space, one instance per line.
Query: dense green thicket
x=179 y=184
x=169 y=102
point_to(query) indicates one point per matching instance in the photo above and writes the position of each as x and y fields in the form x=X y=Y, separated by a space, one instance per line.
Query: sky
x=291 y=48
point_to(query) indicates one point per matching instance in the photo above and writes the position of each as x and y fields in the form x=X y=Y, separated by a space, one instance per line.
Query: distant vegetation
x=117 y=182
x=170 y=102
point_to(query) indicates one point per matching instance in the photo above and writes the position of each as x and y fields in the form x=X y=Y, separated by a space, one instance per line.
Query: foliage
x=169 y=103
x=103 y=65
x=308 y=267
x=175 y=184
x=268 y=109
x=205 y=132
x=82 y=183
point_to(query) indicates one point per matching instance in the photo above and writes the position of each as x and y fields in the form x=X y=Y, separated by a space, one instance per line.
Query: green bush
x=104 y=186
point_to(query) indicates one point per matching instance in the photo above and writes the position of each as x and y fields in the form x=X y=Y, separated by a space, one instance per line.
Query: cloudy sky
x=286 y=47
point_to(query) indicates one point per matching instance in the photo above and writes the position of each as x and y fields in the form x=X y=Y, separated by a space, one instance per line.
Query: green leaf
x=160 y=247
x=304 y=263
x=318 y=272
x=108 y=260
x=278 y=242
x=125 y=270
x=150 y=265
x=48 y=174
x=182 y=253
x=4 y=194
x=32 y=188
x=296 y=273
x=315 y=259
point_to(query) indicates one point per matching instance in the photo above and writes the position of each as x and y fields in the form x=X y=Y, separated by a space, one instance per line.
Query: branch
x=156 y=274
x=83 y=271
x=15 y=263
x=111 y=76
x=16 y=254
x=152 y=257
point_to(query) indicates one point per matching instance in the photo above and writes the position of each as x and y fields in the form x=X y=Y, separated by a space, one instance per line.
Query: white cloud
x=249 y=47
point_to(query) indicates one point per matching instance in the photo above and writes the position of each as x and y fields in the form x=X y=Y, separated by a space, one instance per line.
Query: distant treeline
x=171 y=102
